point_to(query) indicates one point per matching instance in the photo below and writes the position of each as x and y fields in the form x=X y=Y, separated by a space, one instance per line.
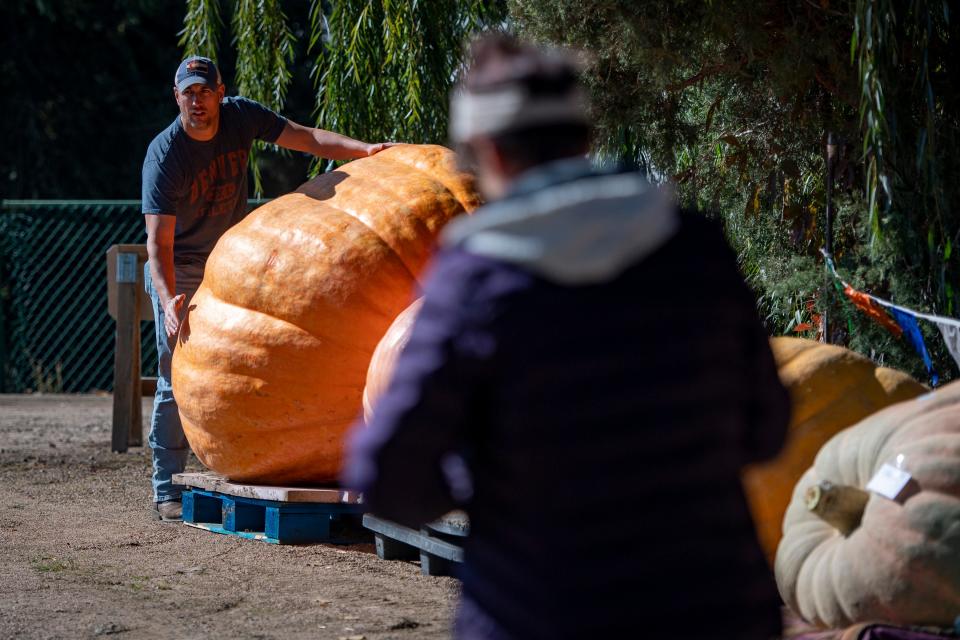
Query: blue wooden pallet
x=270 y=521
x=439 y=545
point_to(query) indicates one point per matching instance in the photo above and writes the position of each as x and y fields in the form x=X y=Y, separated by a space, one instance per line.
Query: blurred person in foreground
x=587 y=378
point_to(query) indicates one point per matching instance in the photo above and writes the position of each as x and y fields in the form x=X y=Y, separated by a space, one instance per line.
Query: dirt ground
x=81 y=557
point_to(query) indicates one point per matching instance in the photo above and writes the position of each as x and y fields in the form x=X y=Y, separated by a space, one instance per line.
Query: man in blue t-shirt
x=194 y=189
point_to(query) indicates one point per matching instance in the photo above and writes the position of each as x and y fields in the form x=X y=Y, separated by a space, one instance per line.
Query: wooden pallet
x=210 y=481
x=438 y=544
x=278 y=515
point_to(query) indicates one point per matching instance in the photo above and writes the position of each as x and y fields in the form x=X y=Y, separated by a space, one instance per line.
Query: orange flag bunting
x=867 y=304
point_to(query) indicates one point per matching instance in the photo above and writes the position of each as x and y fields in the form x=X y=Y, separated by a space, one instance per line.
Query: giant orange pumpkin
x=270 y=370
x=385 y=357
x=830 y=389
x=850 y=556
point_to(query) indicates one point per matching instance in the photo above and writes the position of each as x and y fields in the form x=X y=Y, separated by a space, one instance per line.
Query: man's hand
x=171 y=314
x=373 y=149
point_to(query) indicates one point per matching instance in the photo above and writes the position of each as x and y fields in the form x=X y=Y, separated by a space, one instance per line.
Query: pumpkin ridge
x=325 y=339
x=854 y=573
x=385 y=186
x=917 y=568
x=260 y=469
x=350 y=214
x=453 y=192
x=252 y=304
x=275 y=231
x=832 y=567
x=239 y=374
x=363 y=177
x=220 y=431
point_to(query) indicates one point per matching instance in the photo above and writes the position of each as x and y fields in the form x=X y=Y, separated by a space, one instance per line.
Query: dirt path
x=80 y=556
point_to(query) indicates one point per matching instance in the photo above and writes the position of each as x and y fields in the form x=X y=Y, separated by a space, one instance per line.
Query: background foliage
x=731 y=100
x=734 y=100
x=84 y=86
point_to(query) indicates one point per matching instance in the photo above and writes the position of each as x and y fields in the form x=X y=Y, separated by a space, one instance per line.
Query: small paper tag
x=126 y=267
x=888 y=481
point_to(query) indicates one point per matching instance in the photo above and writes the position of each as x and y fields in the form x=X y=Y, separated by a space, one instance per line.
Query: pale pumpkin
x=848 y=556
x=830 y=389
x=269 y=372
x=385 y=357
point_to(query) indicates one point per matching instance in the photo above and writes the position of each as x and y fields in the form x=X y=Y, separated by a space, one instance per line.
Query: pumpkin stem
x=839 y=505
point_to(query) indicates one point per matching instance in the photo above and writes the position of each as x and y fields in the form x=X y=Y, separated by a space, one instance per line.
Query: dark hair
x=498 y=60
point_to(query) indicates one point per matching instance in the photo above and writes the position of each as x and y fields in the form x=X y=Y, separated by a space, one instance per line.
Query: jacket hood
x=570 y=225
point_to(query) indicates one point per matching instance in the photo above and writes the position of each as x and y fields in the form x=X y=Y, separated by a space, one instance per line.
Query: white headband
x=476 y=114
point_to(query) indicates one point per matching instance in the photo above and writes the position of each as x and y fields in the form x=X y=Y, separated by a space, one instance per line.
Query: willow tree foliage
x=388 y=65
x=733 y=101
x=382 y=68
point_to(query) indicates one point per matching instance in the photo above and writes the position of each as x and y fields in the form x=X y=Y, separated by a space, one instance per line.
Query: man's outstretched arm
x=326 y=144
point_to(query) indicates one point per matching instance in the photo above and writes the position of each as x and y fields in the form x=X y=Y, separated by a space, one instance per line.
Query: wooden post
x=135 y=439
x=128 y=304
x=127 y=423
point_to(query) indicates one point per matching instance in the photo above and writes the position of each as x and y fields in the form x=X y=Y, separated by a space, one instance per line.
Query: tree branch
x=704 y=73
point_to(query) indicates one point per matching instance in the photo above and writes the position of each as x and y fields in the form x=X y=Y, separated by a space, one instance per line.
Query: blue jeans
x=169 y=445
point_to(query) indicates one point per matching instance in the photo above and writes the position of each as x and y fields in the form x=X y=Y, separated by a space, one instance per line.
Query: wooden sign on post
x=128 y=303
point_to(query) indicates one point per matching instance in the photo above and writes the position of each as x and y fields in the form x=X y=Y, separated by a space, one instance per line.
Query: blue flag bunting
x=911 y=329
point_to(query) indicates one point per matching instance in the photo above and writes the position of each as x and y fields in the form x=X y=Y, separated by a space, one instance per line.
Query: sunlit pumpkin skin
x=269 y=373
x=902 y=563
x=831 y=388
x=385 y=357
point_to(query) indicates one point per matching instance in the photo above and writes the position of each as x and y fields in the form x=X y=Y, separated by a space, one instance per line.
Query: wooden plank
x=135 y=389
x=146 y=309
x=434 y=565
x=295 y=528
x=406 y=535
x=389 y=549
x=128 y=304
x=455 y=523
x=217 y=528
x=126 y=372
x=210 y=481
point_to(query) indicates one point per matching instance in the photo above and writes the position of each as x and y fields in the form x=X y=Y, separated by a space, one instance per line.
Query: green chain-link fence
x=55 y=332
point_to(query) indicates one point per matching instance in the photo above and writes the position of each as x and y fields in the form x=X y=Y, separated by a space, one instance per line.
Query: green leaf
x=201 y=28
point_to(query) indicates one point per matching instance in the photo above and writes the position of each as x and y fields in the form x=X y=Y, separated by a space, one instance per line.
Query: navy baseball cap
x=197 y=69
